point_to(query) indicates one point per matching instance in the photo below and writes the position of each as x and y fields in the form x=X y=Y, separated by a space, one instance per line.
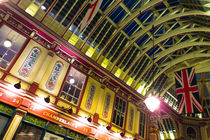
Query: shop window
x=29 y=62
x=119 y=112
x=142 y=124
x=131 y=116
x=28 y=132
x=54 y=76
x=3 y=122
x=106 y=105
x=6 y=112
x=90 y=97
x=10 y=44
x=73 y=86
x=50 y=136
x=35 y=128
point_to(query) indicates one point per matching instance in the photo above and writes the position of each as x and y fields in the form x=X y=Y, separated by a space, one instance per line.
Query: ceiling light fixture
x=108 y=127
x=152 y=103
x=47 y=99
x=122 y=134
x=89 y=119
x=18 y=85
x=7 y=43
x=70 y=110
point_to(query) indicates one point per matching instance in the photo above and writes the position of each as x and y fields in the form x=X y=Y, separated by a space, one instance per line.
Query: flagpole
x=202 y=87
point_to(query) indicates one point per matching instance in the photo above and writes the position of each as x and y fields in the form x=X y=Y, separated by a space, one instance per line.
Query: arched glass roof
x=142 y=42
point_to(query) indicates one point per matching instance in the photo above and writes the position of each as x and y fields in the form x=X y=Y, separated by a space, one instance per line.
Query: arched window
x=54 y=75
x=106 y=105
x=29 y=62
x=90 y=97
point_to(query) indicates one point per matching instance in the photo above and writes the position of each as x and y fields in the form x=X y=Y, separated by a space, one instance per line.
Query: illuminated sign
x=55 y=117
x=10 y=98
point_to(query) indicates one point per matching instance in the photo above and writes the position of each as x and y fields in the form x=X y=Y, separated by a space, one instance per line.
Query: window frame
x=16 y=56
x=121 y=114
x=82 y=89
x=142 y=124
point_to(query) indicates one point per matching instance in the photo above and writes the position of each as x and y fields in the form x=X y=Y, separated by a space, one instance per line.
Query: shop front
x=25 y=117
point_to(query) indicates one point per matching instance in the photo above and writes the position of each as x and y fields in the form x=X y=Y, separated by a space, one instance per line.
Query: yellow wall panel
x=83 y=114
x=22 y=58
x=41 y=95
x=106 y=91
x=130 y=105
x=48 y=73
x=1 y=74
x=12 y=80
x=95 y=104
x=137 y=124
x=66 y=106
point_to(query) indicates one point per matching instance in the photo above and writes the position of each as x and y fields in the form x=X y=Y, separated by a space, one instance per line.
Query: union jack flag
x=187 y=91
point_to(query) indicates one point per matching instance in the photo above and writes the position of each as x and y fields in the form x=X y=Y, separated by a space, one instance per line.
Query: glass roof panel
x=173 y=2
x=129 y=3
x=105 y=4
x=138 y=5
x=144 y=15
x=130 y=28
x=117 y=14
x=142 y=39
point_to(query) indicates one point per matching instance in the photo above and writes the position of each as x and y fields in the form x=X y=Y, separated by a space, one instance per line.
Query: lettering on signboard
x=16 y=101
x=59 y=119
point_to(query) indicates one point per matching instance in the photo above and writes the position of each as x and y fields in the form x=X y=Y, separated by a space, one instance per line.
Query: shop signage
x=10 y=98
x=42 y=111
x=53 y=116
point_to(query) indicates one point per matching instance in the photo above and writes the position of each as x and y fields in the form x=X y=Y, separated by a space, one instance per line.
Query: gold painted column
x=12 y=128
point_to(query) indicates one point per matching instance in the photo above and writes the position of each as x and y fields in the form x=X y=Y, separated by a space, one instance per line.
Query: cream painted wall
x=15 y=69
x=48 y=72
